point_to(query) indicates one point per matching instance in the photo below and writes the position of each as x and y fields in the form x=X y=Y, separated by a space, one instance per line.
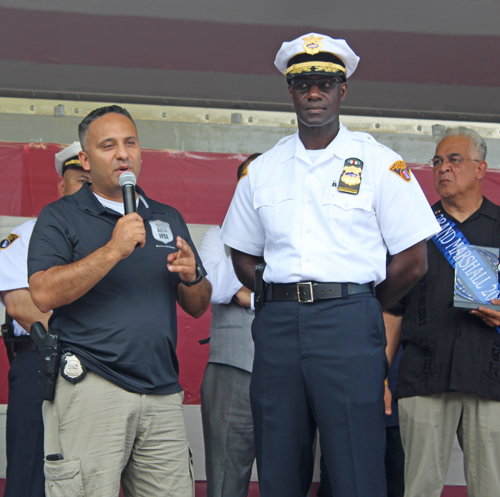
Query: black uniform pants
x=321 y=364
x=24 y=429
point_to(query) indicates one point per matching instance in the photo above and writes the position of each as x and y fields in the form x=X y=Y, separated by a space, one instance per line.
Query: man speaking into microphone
x=112 y=281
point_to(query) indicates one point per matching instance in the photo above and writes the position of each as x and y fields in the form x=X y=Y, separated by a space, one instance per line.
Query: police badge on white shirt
x=161 y=231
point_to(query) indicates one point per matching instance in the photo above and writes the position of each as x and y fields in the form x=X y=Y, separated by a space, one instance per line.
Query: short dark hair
x=242 y=167
x=83 y=127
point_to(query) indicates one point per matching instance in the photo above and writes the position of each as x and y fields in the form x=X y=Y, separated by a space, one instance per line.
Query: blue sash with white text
x=450 y=239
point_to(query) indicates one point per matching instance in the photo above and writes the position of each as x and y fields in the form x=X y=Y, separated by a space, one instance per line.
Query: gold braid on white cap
x=319 y=66
x=73 y=162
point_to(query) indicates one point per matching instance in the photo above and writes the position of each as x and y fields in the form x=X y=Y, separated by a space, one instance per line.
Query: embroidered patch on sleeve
x=402 y=170
x=8 y=241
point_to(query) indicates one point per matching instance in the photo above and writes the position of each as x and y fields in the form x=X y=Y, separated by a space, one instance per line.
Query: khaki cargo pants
x=107 y=435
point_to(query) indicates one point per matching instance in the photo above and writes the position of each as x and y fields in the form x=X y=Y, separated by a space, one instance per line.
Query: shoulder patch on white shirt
x=402 y=170
x=8 y=241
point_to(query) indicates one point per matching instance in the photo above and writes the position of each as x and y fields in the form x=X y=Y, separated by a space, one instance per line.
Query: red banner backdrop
x=199 y=184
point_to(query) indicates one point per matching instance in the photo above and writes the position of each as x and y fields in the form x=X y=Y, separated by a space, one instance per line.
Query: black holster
x=49 y=350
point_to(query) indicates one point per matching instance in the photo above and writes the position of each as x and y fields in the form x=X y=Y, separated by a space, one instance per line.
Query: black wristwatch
x=199 y=277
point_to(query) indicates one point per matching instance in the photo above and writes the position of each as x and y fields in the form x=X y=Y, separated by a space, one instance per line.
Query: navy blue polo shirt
x=125 y=327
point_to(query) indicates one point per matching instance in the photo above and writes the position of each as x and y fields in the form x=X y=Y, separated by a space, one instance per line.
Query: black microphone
x=127 y=181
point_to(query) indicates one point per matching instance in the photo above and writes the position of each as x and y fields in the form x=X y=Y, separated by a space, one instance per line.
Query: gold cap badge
x=312 y=44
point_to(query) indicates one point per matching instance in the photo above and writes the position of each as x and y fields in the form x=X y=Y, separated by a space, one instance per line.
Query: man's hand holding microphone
x=129 y=231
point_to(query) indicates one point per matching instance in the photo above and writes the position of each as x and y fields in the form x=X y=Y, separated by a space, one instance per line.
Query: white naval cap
x=67 y=158
x=314 y=53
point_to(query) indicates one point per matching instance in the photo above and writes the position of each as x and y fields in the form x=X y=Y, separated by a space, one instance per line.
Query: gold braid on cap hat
x=305 y=62
x=307 y=67
x=73 y=162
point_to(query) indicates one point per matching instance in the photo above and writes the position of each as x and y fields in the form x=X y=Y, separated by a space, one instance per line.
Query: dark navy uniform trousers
x=24 y=433
x=320 y=365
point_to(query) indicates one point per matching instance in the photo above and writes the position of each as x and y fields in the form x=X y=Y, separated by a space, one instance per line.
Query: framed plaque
x=476 y=277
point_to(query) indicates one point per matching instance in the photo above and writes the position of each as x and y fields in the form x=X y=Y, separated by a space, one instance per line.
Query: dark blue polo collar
x=88 y=202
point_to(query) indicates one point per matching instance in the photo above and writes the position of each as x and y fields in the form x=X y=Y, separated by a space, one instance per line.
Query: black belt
x=310 y=291
x=24 y=344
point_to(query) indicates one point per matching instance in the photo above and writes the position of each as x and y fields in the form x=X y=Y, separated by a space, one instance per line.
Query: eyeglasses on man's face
x=304 y=85
x=454 y=160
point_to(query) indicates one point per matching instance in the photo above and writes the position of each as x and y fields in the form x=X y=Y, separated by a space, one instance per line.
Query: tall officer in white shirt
x=322 y=208
x=24 y=434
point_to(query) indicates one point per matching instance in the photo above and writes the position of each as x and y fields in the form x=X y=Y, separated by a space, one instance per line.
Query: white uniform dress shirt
x=219 y=267
x=14 y=264
x=289 y=210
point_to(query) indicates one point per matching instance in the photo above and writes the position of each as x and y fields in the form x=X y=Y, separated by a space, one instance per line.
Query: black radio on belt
x=48 y=362
x=260 y=287
x=8 y=337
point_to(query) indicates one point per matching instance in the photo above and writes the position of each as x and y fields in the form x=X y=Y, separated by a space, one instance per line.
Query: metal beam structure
x=425 y=60
x=221 y=130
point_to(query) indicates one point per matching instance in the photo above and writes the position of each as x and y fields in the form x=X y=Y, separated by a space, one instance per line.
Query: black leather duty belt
x=310 y=291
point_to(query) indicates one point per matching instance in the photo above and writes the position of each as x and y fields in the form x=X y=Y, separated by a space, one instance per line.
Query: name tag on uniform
x=350 y=179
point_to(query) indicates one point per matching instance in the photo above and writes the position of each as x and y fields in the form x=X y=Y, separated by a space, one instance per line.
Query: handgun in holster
x=260 y=287
x=9 y=337
x=49 y=350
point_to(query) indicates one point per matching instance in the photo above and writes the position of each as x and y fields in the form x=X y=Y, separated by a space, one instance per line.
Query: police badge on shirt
x=350 y=179
x=161 y=231
x=72 y=369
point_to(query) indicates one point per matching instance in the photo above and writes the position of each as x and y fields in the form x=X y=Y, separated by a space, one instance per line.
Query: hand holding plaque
x=476 y=277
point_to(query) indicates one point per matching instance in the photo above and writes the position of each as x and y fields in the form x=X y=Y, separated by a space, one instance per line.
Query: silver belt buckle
x=309 y=285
